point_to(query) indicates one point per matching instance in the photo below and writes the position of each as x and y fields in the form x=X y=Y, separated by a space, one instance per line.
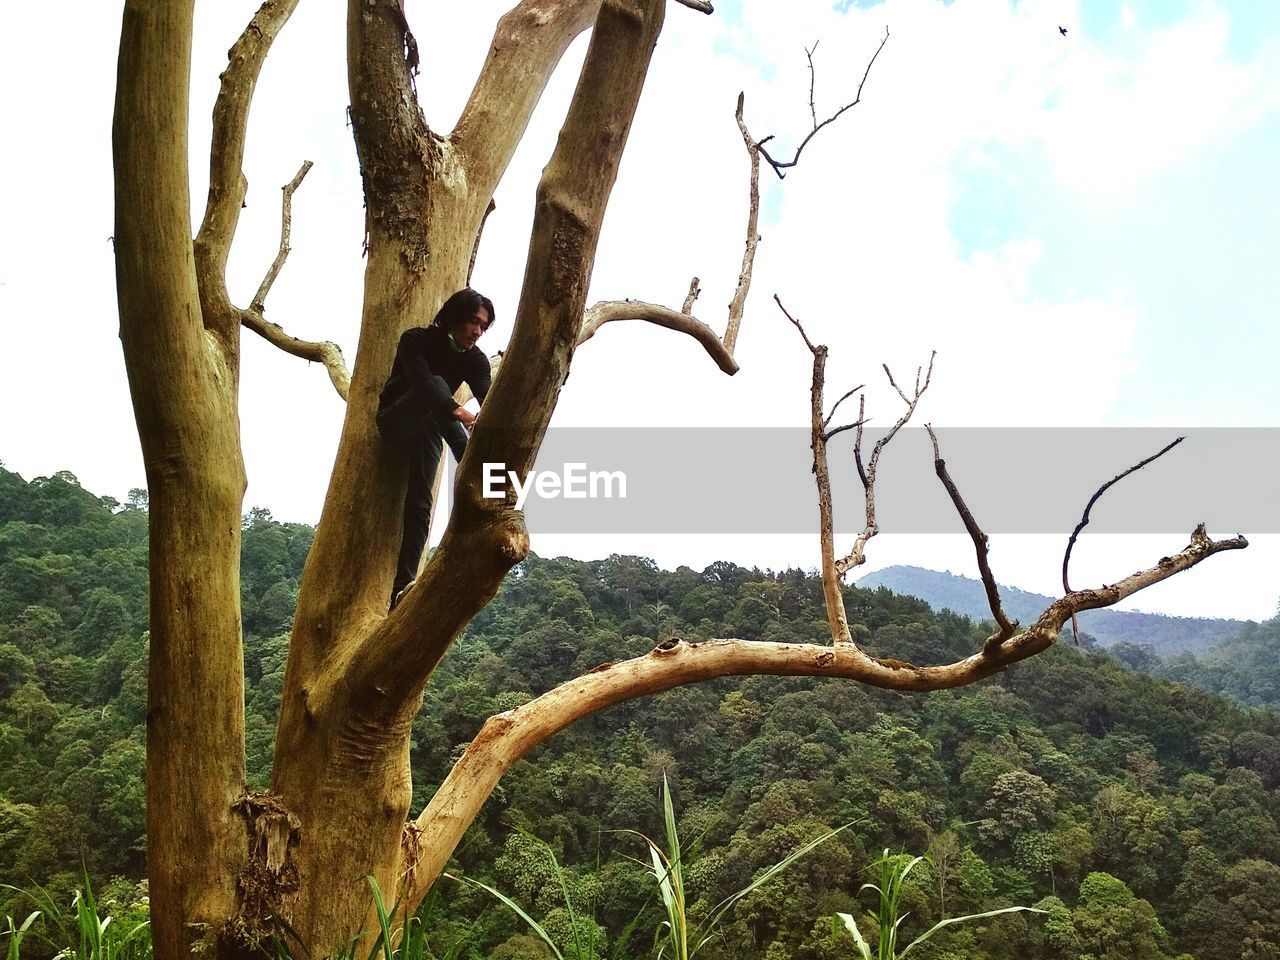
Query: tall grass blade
x=864 y=948
x=972 y=916
x=518 y=910
x=725 y=905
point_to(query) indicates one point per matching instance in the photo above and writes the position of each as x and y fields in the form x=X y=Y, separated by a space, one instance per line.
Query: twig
x=840 y=401
x=286 y=222
x=1084 y=520
x=780 y=165
x=691 y=296
x=813 y=113
x=828 y=435
x=867 y=473
x=796 y=323
x=981 y=546
x=857 y=443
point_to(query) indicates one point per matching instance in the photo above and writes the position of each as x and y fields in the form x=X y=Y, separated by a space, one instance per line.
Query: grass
x=82 y=933
x=888 y=914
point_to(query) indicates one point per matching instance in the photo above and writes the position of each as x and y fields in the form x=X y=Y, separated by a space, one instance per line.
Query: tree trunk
x=182 y=376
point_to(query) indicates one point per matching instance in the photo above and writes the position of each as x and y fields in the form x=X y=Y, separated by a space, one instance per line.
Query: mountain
x=1168 y=635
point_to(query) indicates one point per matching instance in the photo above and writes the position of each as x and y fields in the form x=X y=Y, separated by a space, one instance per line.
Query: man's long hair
x=461 y=307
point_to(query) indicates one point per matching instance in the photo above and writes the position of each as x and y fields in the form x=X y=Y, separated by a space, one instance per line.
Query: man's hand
x=464 y=417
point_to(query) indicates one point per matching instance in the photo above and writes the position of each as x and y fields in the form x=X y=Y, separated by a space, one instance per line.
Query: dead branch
x=702 y=6
x=1084 y=519
x=867 y=473
x=832 y=589
x=691 y=296
x=836 y=405
x=980 y=545
x=609 y=311
x=326 y=352
x=780 y=165
x=227 y=184
x=740 y=292
x=813 y=77
x=259 y=302
x=507 y=737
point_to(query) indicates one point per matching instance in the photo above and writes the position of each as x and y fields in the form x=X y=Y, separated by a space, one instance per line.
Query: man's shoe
x=395 y=601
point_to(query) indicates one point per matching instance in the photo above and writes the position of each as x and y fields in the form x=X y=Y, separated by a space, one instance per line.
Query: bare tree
x=228 y=866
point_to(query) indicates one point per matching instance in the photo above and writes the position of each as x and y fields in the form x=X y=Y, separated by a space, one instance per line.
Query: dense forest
x=1143 y=815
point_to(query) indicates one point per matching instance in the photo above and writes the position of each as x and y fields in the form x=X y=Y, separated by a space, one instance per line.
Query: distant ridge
x=963 y=595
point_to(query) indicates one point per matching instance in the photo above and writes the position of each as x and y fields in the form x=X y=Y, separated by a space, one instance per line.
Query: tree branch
x=609 y=311
x=1084 y=519
x=227 y=183
x=740 y=292
x=507 y=737
x=259 y=302
x=701 y=6
x=857 y=556
x=527 y=44
x=980 y=546
x=326 y=352
x=780 y=165
x=691 y=296
x=832 y=589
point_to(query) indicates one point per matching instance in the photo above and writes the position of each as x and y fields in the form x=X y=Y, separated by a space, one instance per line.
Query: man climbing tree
x=417 y=411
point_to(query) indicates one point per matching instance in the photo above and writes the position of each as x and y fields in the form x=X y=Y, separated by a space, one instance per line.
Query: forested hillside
x=1143 y=815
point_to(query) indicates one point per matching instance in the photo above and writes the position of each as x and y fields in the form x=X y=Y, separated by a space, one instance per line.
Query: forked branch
x=780 y=165
x=980 y=546
x=867 y=472
x=330 y=354
x=227 y=185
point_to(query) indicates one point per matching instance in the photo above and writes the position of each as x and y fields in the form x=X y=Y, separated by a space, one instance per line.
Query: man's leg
x=423 y=462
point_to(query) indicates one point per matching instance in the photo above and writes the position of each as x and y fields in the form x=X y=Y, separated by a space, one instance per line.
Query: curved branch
x=609 y=311
x=227 y=184
x=326 y=352
x=507 y=737
x=1084 y=519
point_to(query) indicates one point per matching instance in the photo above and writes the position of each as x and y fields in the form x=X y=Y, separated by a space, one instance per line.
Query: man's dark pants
x=422 y=443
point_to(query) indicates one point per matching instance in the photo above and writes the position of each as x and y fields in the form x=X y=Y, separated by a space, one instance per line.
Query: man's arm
x=423 y=381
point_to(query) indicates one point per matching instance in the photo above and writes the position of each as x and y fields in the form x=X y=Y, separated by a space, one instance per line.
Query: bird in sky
x=1062 y=30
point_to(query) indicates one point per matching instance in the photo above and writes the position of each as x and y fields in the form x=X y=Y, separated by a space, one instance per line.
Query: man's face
x=468 y=332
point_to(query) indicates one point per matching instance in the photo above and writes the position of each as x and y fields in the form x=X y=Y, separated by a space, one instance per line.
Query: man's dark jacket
x=428 y=369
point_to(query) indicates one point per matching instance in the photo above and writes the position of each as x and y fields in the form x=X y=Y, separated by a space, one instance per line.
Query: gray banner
x=760 y=480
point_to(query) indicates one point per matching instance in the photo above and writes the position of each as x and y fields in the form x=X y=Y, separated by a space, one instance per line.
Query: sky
x=1082 y=226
